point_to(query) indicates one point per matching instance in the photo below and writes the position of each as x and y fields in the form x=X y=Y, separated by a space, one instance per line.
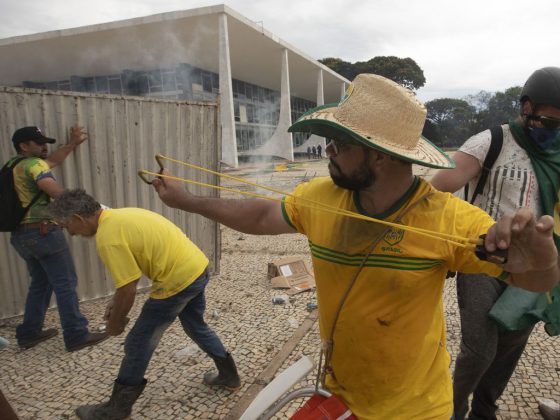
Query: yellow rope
x=322 y=205
x=333 y=210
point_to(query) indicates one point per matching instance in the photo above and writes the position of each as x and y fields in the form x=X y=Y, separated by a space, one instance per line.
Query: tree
x=404 y=71
x=479 y=100
x=499 y=108
x=451 y=121
x=504 y=106
x=344 y=68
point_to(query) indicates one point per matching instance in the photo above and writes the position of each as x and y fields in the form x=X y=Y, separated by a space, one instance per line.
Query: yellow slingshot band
x=454 y=239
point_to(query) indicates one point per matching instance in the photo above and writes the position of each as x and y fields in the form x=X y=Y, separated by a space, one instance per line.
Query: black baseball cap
x=30 y=133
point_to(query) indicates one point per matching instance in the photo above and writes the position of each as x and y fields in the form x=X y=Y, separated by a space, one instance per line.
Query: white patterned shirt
x=511 y=183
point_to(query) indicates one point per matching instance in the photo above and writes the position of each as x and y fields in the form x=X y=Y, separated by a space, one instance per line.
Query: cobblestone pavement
x=46 y=382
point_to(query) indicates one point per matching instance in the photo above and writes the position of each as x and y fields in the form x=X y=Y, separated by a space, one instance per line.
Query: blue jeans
x=51 y=268
x=156 y=316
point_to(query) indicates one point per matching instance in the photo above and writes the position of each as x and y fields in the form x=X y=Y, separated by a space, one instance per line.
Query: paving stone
x=46 y=382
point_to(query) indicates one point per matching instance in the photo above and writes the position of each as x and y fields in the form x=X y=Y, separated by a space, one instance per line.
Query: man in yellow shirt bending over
x=133 y=242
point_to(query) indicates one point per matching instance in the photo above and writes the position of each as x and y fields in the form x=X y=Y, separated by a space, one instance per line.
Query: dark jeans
x=51 y=268
x=488 y=355
x=156 y=316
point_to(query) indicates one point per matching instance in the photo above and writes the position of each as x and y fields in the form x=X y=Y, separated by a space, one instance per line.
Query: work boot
x=549 y=409
x=42 y=336
x=118 y=407
x=90 y=340
x=227 y=373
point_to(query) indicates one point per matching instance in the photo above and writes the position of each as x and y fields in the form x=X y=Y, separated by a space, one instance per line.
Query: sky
x=462 y=47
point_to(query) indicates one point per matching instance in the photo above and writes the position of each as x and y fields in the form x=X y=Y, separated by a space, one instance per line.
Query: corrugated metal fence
x=124 y=135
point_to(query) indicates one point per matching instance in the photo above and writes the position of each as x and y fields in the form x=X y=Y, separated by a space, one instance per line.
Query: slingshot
x=499 y=256
x=275 y=395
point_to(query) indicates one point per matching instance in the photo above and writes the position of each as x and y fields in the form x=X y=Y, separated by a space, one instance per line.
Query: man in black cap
x=42 y=244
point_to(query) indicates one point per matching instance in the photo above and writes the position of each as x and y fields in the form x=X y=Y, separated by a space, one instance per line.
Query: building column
x=281 y=144
x=313 y=139
x=229 y=141
x=320 y=94
x=320 y=101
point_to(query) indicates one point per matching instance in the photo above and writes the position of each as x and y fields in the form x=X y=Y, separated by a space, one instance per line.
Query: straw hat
x=378 y=113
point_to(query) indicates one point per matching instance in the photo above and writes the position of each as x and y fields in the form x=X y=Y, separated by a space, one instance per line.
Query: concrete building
x=211 y=53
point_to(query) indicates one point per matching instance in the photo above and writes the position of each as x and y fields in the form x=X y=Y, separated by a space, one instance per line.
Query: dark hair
x=71 y=202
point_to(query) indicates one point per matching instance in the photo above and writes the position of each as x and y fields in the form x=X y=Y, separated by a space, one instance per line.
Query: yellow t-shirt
x=390 y=359
x=26 y=174
x=133 y=241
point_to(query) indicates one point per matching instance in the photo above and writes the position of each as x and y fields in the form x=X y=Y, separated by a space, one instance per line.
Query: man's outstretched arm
x=77 y=137
x=451 y=180
x=253 y=216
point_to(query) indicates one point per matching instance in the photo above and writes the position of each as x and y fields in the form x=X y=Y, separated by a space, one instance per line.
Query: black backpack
x=496 y=142
x=11 y=210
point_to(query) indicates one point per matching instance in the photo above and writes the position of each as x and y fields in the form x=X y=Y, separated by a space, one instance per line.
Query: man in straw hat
x=526 y=173
x=380 y=288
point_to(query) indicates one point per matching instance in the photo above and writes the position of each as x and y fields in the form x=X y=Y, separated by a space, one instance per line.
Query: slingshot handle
x=499 y=256
x=142 y=174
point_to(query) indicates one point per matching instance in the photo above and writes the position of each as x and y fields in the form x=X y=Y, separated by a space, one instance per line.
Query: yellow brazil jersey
x=133 y=241
x=26 y=174
x=390 y=359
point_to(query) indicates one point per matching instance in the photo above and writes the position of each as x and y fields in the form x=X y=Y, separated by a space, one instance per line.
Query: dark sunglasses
x=339 y=146
x=549 y=123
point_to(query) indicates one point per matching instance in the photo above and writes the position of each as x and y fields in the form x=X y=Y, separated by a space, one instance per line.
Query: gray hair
x=72 y=202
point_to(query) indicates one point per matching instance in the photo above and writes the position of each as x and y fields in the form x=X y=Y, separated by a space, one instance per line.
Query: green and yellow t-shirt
x=390 y=359
x=26 y=174
x=133 y=241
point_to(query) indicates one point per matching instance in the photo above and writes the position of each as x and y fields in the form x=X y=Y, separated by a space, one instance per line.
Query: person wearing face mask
x=526 y=173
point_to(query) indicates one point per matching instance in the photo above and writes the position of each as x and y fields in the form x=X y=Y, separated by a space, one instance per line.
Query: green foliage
x=452 y=121
x=401 y=70
x=480 y=100
x=449 y=121
x=502 y=107
x=342 y=67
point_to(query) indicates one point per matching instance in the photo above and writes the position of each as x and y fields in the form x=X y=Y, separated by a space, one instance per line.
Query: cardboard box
x=292 y=274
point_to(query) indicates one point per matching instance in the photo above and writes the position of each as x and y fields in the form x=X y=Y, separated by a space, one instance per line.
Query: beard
x=360 y=178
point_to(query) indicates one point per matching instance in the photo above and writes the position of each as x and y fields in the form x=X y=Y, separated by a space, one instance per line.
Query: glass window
x=236 y=111
x=243 y=113
x=115 y=85
x=169 y=81
x=207 y=82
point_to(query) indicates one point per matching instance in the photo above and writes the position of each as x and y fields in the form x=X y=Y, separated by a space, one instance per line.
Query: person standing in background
x=42 y=245
x=526 y=174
